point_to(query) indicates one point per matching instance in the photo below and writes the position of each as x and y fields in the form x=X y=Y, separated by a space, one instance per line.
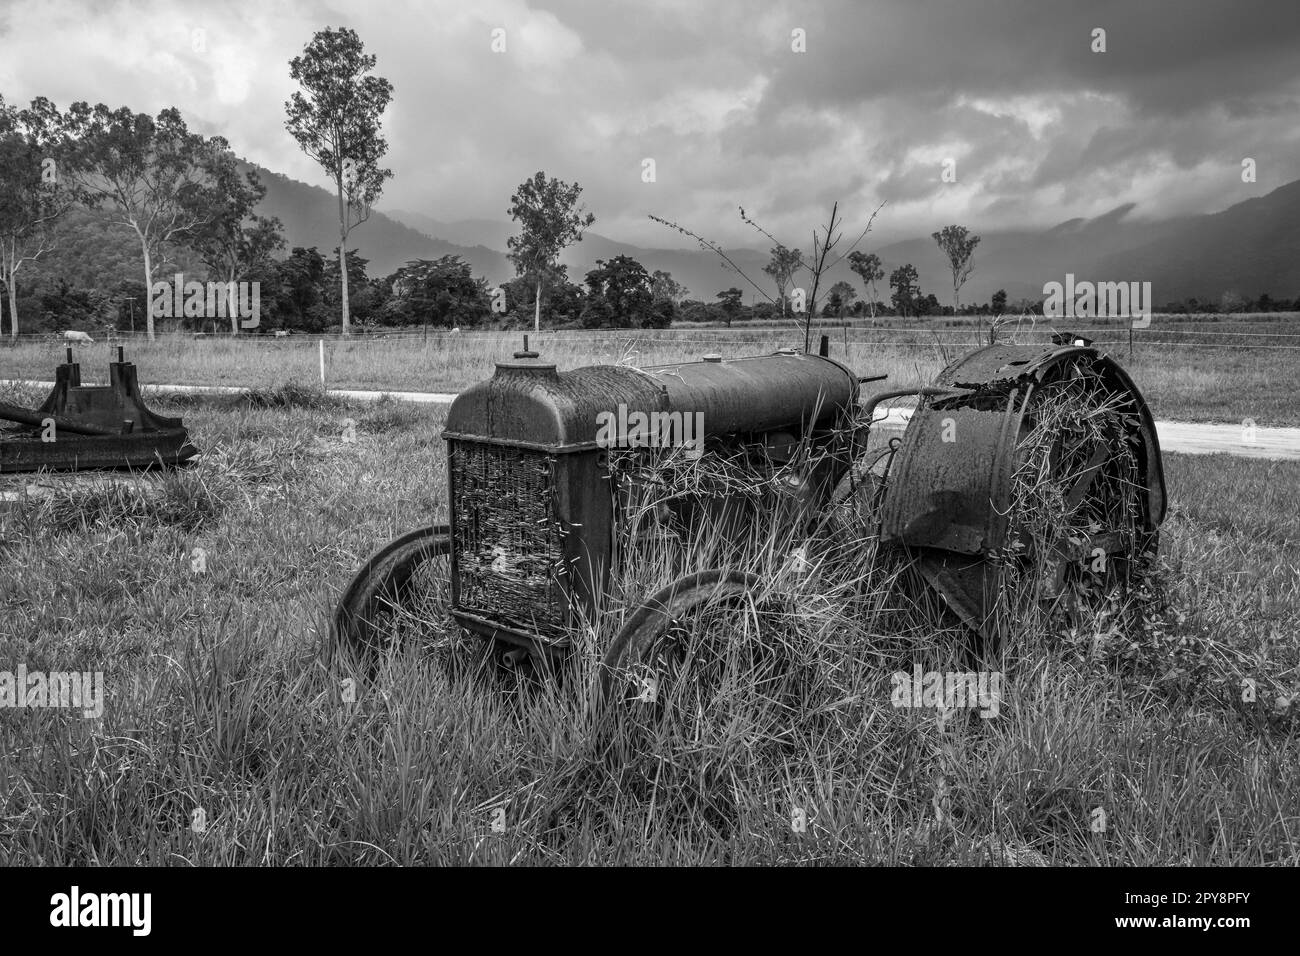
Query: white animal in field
x=73 y=336
x=281 y=333
x=456 y=329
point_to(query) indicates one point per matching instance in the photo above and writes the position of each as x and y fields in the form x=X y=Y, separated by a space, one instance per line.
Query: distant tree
x=843 y=294
x=1231 y=301
x=150 y=175
x=693 y=310
x=782 y=267
x=619 y=295
x=357 y=286
x=662 y=313
x=663 y=286
x=565 y=301
x=231 y=240
x=958 y=244
x=561 y=300
x=903 y=281
x=337 y=124
x=549 y=219
x=130 y=297
x=32 y=197
x=999 y=302
x=824 y=241
x=301 y=292
x=442 y=292
x=867 y=266
x=729 y=301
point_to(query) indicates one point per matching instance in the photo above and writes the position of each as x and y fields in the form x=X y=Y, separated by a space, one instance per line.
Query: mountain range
x=1249 y=248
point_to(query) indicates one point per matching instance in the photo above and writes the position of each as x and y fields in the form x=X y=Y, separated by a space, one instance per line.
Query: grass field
x=220 y=699
x=1180 y=363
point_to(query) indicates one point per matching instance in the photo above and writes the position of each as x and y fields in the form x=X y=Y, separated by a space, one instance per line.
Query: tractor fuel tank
x=528 y=403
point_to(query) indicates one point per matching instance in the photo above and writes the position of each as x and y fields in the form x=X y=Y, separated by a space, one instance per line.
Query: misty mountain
x=310 y=218
x=1249 y=248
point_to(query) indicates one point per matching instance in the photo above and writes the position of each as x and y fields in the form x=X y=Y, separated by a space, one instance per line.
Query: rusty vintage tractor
x=1015 y=455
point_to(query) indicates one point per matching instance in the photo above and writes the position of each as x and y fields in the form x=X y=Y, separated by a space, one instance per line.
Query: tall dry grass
x=221 y=698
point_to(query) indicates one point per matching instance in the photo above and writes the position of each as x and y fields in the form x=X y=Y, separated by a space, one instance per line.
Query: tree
x=782 y=267
x=817 y=266
x=31 y=198
x=867 y=266
x=549 y=219
x=155 y=176
x=958 y=245
x=730 y=301
x=903 y=281
x=999 y=303
x=302 y=278
x=619 y=295
x=356 y=285
x=842 y=294
x=337 y=124
x=664 y=287
x=1231 y=301
x=560 y=298
x=231 y=240
x=443 y=292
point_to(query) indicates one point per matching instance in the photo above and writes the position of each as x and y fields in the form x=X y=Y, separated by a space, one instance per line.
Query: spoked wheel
x=402 y=593
x=702 y=647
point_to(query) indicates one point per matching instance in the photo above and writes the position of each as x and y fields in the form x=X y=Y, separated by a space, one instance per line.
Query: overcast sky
x=1040 y=127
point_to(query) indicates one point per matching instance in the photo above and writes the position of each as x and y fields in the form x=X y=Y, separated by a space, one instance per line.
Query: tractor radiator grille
x=506 y=541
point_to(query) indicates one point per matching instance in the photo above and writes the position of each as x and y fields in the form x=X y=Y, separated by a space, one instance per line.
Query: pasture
x=1182 y=363
x=221 y=700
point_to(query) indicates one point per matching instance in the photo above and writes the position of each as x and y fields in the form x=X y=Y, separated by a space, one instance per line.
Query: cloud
x=1041 y=128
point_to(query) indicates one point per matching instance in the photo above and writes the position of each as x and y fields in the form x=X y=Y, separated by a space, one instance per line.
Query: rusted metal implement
x=81 y=427
x=952 y=495
x=541 y=510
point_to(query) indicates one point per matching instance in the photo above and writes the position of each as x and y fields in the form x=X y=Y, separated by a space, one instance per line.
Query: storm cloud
x=1038 y=126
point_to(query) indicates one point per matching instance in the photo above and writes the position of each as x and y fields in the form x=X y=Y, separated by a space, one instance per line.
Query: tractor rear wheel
x=1032 y=499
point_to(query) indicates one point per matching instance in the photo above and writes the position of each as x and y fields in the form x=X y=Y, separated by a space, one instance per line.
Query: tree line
x=69 y=176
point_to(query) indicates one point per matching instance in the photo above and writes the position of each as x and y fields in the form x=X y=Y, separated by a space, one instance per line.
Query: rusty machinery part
x=404 y=578
x=1042 y=457
x=653 y=645
x=80 y=427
